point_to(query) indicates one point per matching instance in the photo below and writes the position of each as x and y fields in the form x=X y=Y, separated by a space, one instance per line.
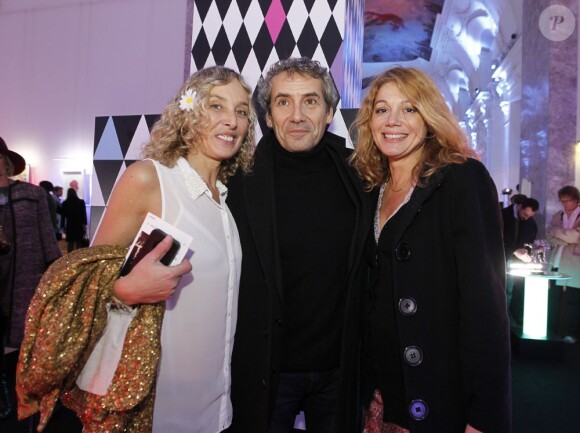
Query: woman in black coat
x=436 y=349
x=74 y=215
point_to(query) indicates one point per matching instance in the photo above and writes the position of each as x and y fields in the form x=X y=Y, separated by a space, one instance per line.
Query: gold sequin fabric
x=66 y=318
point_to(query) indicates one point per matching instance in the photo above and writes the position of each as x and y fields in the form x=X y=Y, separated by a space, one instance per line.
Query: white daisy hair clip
x=187 y=100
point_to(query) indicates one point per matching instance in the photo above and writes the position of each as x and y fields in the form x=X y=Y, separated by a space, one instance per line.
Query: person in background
x=74 y=215
x=519 y=228
x=204 y=136
x=304 y=222
x=519 y=225
x=58 y=196
x=58 y=193
x=436 y=351
x=563 y=233
x=53 y=207
x=28 y=247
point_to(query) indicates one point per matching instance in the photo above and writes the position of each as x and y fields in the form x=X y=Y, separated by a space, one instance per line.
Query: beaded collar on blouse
x=195 y=185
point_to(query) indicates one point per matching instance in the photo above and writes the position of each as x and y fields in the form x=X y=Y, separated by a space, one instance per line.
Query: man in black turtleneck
x=303 y=220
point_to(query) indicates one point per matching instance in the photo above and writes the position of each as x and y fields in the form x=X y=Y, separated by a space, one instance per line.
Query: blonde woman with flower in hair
x=203 y=137
x=436 y=353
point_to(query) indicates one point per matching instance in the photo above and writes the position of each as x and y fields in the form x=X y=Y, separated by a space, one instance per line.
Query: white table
x=536 y=287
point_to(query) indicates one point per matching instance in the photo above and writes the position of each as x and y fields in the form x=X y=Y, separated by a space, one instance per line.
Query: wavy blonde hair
x=176 y=133
x=445 y=142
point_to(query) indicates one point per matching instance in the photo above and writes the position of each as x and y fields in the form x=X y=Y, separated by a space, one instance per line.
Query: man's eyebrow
x=310 y=94
x=305 y=95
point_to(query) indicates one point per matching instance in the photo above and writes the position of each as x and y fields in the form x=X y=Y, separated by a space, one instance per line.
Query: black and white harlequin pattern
x=247 y=36
x=118 y=143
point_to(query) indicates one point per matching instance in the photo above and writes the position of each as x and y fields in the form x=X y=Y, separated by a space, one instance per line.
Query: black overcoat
x=256 y=353
x=74 y=212
x=441 y=257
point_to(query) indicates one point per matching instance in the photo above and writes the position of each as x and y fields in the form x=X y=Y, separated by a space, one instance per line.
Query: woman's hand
x=150 y=281
x=469 y=429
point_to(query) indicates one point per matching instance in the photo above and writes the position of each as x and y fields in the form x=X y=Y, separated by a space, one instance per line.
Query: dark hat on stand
x=17 y=161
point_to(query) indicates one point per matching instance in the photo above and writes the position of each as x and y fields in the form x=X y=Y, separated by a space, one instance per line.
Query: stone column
x=549 y=100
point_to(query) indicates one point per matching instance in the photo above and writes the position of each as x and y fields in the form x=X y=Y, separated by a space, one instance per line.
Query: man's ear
x=269 y=120
x=329 y=116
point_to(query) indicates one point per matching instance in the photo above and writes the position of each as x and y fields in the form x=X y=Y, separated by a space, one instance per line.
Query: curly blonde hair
x=175 y=134
x=445 y=142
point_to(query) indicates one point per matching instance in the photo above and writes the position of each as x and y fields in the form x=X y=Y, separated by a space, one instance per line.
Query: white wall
x=64 y=62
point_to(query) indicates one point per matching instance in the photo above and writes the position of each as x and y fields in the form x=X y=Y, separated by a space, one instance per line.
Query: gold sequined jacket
x=66 y=318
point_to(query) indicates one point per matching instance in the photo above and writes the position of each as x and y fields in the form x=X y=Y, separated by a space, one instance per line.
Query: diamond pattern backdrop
x=118 y=143
x=248 y=36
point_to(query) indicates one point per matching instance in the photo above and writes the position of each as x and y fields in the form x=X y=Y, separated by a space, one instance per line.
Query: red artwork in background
x=399 y=30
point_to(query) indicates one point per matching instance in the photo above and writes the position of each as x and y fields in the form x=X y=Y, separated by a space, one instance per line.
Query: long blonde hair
x=445 y=142
x=176 y=133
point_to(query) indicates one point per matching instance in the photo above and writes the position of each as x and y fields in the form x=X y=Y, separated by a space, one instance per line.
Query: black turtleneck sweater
x=315 y=217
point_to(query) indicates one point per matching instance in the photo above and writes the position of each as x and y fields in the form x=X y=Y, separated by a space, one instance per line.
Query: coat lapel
x=260 y=202
x=354 y=187
x=395 y=228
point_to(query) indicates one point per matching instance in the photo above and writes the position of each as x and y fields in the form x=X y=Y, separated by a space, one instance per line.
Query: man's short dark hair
x=303 y=66
x=531 y=203
x=518 y=198
x=569 y=191
x=46 y=185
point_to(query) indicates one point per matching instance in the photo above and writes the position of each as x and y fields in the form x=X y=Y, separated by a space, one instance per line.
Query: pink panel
x=275 y=19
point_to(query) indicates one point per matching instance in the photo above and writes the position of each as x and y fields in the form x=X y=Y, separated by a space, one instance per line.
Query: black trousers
x=316 y=393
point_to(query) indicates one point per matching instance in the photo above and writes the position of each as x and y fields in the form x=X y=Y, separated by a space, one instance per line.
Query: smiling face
x=397 y=128
x=227 y=122
x=298 y=113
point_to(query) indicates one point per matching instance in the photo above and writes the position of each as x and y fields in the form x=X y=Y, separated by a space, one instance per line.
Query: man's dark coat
x=526 y=232
x=259 y=331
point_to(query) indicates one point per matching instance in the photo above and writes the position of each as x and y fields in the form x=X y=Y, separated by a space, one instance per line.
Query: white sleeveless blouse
x=193 y=386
